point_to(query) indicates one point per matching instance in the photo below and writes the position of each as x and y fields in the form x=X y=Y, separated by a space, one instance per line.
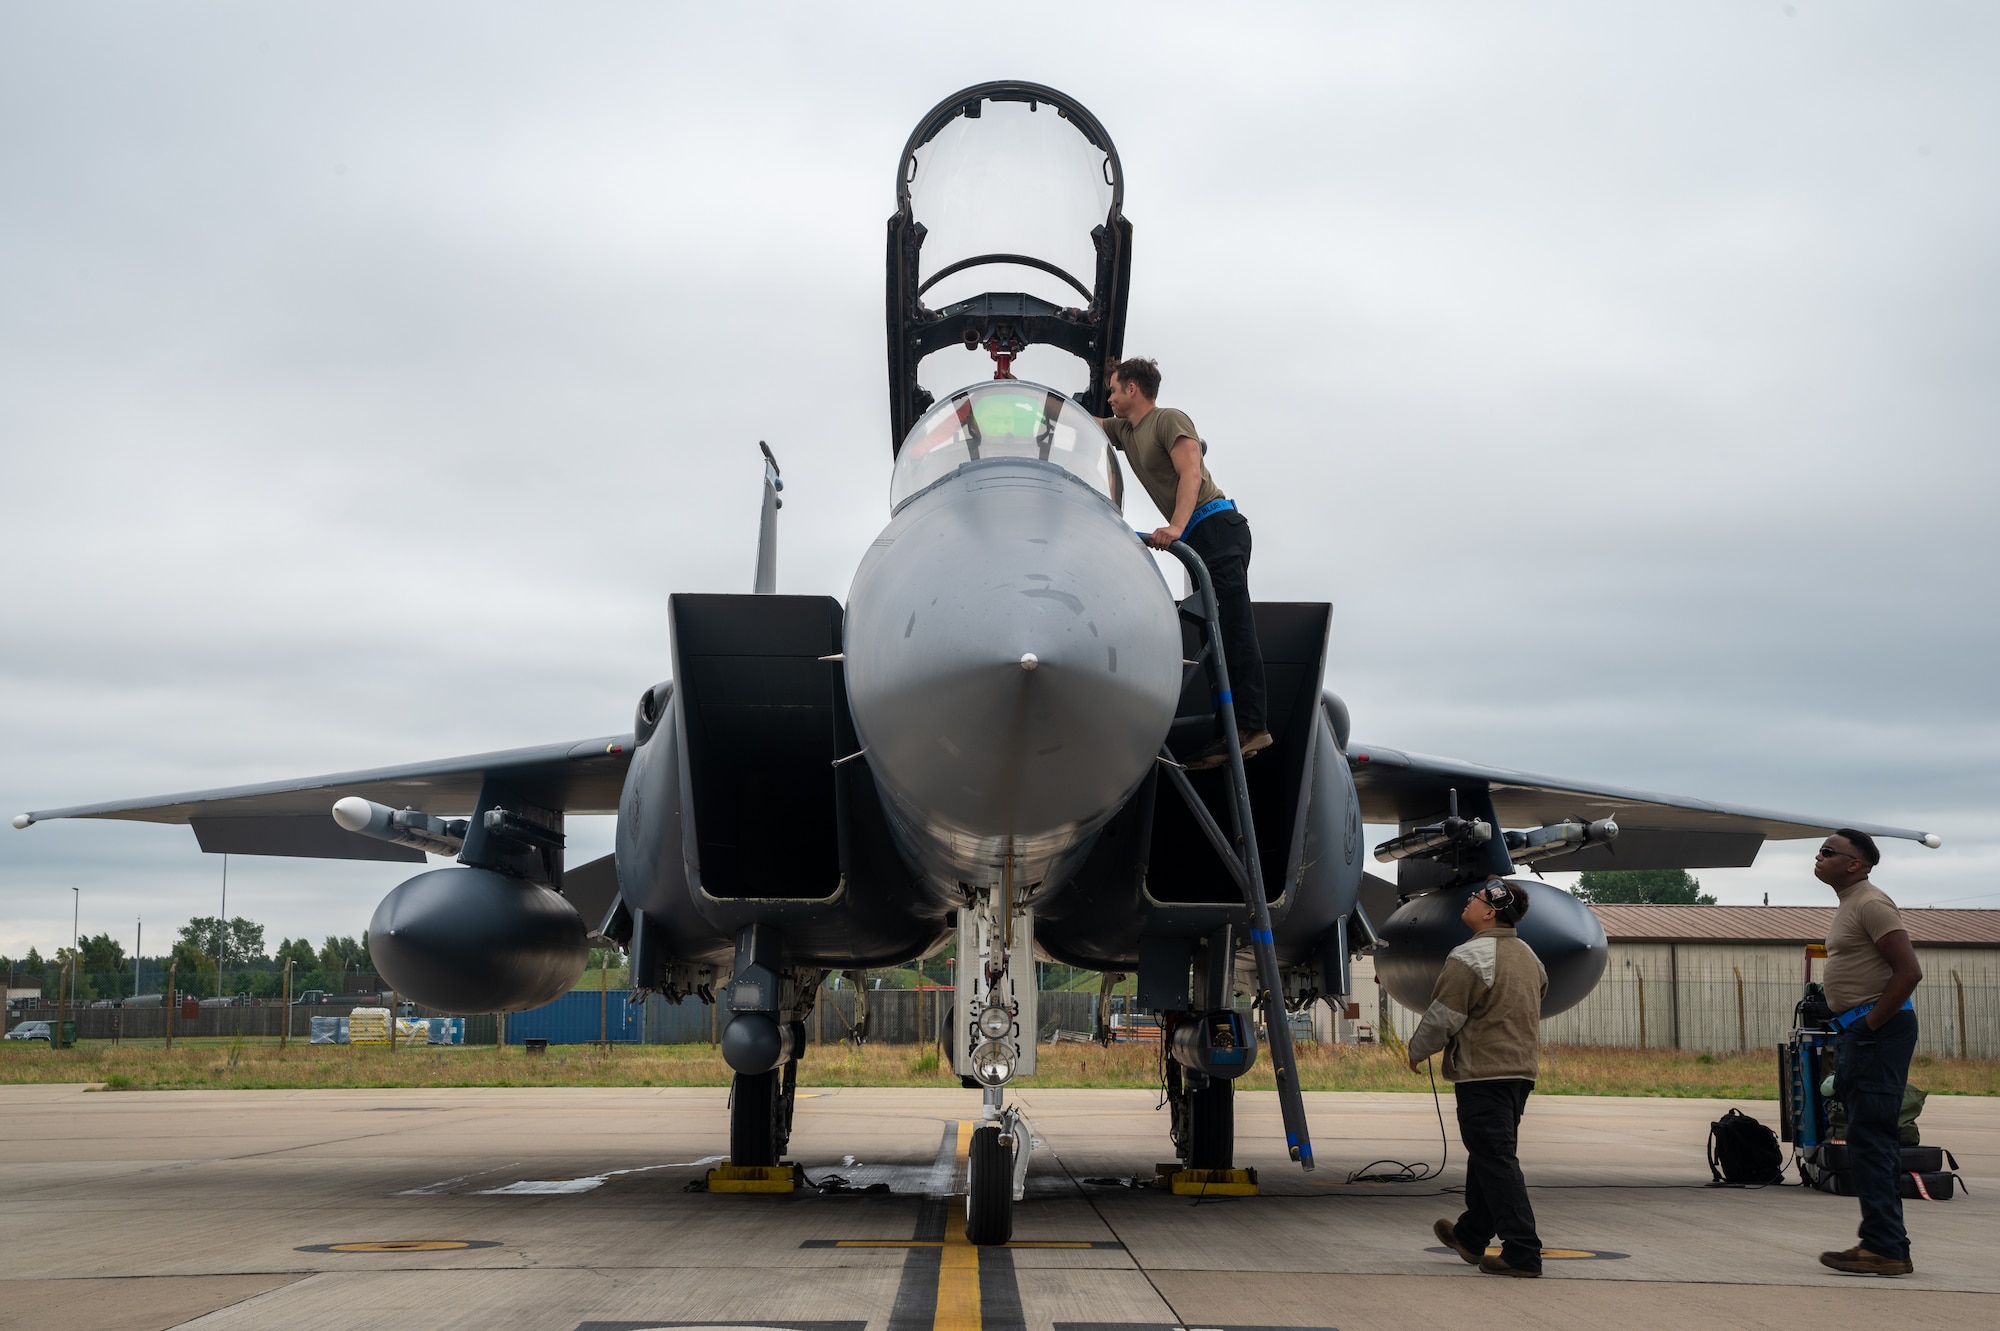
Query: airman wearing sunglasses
x=1871 y=972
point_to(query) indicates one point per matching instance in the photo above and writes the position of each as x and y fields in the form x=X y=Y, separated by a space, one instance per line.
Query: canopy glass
x=1007 y=418
x=1018 y=179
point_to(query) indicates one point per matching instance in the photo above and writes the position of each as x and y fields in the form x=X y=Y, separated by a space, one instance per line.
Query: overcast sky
x=370 y=374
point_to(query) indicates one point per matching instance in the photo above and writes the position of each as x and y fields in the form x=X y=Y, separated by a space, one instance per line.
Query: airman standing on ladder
x=1166 y=456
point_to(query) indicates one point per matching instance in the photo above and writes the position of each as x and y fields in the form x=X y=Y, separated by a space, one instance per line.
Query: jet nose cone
x=1013 y=661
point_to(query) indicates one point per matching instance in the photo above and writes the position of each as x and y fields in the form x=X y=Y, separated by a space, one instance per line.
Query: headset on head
x=1502 y=896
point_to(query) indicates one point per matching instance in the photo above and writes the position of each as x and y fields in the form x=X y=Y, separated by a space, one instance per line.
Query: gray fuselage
x=1013 y=663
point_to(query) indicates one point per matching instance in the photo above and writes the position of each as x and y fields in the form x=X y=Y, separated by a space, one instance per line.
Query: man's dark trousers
x=1223 y=542
x=1871 y=1069
x=1496 y=1196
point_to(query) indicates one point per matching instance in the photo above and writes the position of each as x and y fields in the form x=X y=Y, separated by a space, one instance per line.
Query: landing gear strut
x=993 y=1038
x=1204 y=1118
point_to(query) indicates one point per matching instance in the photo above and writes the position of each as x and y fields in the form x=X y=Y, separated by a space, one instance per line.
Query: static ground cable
x=1421 y=1172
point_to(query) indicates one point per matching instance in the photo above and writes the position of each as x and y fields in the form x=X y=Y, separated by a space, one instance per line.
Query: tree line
x=216 y=956
x=210 y=956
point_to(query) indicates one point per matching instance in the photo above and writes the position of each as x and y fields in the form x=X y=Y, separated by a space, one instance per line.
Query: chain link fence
x=1708 y=1005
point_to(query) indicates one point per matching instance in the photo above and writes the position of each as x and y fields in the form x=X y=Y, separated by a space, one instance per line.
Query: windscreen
x=1019 y=178
x=1004 y=419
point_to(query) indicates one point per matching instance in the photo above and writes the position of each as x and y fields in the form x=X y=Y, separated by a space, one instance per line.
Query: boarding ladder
x=1238 y=850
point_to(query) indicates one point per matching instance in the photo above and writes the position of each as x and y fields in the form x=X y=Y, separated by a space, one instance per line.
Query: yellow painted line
x=964 y=1151
x=958 y=1263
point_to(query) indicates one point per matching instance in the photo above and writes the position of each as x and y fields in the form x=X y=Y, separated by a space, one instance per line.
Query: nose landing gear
x=993 y=1038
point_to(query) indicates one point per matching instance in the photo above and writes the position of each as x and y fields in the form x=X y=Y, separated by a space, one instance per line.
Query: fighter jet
x=984 y=744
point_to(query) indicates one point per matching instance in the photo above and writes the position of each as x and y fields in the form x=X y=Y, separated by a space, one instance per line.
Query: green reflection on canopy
x=1016 y=414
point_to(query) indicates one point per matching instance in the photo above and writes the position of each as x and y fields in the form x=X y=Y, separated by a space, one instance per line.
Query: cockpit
x=1005 y=418
x=1013 y=185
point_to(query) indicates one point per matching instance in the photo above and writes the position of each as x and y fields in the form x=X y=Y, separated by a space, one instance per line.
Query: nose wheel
x=989 y=1188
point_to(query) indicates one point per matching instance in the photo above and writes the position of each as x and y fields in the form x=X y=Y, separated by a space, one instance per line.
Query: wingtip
x=24 y=820
x=1931 y=839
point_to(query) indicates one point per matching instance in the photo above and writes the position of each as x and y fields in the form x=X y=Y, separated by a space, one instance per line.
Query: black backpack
x=1743 y=1152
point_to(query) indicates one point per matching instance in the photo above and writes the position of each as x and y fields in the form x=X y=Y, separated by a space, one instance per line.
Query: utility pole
x=76 y=913
x=138 y=947
x=172 y=998
x=222 y=934
x=285 y=1031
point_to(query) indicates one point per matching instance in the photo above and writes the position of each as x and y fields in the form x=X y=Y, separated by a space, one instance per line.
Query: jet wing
x=1655 y=831
x=295 y=817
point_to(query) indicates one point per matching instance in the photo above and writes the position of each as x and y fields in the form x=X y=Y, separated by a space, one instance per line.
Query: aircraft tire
x=989 y=1190
x=1212 y=1125
x=753 y=1119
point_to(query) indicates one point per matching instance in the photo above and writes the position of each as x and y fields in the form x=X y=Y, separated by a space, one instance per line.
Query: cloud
x=368 y=378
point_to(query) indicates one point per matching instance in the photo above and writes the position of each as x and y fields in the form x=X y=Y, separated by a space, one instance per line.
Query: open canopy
x=1008 y=233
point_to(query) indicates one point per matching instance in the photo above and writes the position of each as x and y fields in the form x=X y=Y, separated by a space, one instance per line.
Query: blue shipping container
x=575 y=1019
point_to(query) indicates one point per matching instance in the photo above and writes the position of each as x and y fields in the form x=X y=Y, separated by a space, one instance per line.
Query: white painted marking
x=444 y=1186
x=567 y=1187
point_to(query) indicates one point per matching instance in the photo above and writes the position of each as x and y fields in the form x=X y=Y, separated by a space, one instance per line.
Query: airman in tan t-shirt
x=1856 y=970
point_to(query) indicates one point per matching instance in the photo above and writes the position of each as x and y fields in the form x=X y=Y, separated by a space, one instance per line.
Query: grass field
x=262 y=1065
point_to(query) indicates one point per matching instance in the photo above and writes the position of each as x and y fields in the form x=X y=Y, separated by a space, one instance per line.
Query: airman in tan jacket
x=1486 y=1015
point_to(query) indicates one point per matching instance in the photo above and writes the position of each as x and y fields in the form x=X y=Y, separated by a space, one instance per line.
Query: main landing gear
x=1203 y=1118
x=760 y=1114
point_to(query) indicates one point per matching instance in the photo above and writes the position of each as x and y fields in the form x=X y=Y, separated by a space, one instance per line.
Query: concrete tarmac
x=569 y=1210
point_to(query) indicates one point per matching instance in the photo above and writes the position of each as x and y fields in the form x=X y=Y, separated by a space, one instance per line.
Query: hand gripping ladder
x=1239 y=855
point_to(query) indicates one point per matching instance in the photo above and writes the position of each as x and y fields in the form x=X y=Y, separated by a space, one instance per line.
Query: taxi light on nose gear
x=993 y=1063
x=996 y=1023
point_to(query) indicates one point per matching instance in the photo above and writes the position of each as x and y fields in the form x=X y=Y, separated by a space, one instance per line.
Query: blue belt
x=1212 y=506
x=1854 y=1014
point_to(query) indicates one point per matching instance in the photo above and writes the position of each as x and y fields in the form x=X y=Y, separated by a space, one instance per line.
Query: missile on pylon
x=402 y=827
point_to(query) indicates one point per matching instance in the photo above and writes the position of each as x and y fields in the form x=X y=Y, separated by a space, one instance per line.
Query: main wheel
x=1212 y=1125
x=989 y=1189
x=754 y=1109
